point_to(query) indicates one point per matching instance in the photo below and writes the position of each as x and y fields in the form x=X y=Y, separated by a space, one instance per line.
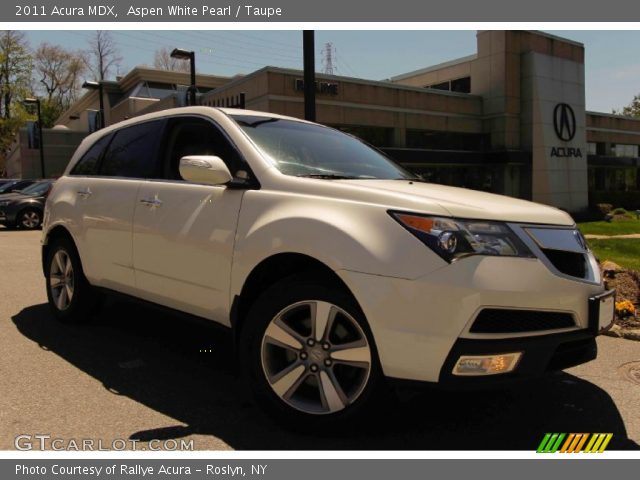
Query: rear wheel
x=309 y=355
x=71 y=297
x=29 y=219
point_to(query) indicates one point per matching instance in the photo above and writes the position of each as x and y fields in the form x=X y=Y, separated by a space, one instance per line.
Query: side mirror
x=207 y=169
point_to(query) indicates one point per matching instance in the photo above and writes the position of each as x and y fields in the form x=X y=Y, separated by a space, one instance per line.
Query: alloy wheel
x=61 y=280
x=30 y=219
x=316 y=357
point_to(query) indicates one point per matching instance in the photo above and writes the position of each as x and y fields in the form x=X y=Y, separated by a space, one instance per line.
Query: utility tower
x=328 y=57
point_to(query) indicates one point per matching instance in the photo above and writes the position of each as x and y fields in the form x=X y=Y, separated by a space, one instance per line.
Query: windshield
x=309 y=150
x=6 y=186
x=36 y=188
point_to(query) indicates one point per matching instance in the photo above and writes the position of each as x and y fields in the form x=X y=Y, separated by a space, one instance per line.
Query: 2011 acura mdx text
x=336 y=269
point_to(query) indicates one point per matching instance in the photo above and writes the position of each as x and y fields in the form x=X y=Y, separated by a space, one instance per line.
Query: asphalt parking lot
x=138 y=373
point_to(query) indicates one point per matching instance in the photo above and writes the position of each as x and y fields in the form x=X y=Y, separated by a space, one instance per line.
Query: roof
x=434 y=68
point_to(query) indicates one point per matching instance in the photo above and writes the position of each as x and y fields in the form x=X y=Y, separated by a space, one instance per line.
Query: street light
x=309 y=62
x=91 y=85
x=183 y=54
x=36 y=101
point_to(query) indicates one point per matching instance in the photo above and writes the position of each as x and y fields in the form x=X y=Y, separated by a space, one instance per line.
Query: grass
x=623 y=251
x=619 y=226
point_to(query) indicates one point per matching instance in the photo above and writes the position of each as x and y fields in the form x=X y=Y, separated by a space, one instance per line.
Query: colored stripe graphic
x=574 y=443
x=550 y=443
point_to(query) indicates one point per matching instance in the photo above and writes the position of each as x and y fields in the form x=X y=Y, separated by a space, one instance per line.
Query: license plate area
x=601 y=311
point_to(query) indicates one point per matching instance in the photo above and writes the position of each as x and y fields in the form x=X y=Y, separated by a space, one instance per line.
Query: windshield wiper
x=328 y=176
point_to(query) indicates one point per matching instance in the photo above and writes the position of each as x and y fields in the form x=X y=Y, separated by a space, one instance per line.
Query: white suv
x=336 y=269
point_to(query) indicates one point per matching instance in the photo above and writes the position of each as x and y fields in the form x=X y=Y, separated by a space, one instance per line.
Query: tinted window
x=197 y=136
x=88 y=164
x=14 y=186
x=38 y=188
x=6 y=186
x=132 y=152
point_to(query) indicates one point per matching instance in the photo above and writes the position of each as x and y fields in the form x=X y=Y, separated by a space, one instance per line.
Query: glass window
x=436 y=140
x=624 y=150
x=132 y=152
x=38 y=188
x=376 y=136
x=197 y=136
x=462 y=85
x=7 y=187
x=303 y=149
x=440 y=86
x=88 y=164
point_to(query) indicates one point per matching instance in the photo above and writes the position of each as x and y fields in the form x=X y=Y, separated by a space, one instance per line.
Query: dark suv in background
x=24 y=208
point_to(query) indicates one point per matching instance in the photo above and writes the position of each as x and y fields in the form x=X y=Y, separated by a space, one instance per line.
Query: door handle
x=151 y=202
x=85 y=193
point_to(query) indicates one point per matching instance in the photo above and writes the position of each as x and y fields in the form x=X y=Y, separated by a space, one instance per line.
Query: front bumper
x=421 y=327
x=7 y=217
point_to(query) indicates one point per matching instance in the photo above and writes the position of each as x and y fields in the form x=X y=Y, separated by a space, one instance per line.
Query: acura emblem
x=564 y=122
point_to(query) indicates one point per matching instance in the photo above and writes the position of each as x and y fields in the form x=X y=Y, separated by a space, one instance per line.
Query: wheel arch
x=271 y=270
x=56 y=232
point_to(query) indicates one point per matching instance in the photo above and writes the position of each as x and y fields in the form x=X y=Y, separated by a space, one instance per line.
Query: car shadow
x=184 y=370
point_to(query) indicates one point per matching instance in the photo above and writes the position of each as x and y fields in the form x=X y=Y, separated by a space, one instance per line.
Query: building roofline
x=433 y=68
x=613 y=115
x=555 y=37
x=322 y=76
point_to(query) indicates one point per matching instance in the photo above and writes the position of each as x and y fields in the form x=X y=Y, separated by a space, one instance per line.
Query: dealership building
x=509 y=119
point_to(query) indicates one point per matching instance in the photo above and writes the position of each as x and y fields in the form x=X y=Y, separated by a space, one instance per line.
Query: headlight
x=453 y=238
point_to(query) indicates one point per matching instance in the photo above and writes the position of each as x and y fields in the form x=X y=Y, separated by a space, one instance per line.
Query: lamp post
x=183 y=54
x=309 y=61
x=36 y=101
x=90 y=85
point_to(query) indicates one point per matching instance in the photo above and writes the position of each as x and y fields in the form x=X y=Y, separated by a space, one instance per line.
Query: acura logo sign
x=564 y=122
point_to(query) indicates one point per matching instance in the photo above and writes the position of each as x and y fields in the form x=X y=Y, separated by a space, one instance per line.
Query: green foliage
x=631 y=110
x=621 y=226
x=623 y=251
x=50 y=111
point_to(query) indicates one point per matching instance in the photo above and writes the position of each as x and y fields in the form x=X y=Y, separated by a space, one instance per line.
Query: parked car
x=24 y=208
x=336 y=270
x=11 y=186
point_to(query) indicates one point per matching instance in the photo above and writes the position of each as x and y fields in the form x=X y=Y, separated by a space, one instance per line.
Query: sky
x=612 y=64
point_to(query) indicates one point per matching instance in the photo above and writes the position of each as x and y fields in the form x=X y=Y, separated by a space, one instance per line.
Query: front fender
x=344 y=235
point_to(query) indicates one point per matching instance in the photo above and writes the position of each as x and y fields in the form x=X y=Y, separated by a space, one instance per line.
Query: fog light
x=486 y=364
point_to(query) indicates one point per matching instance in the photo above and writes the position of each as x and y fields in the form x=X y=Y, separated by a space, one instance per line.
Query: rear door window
x=133 y=152
x=90 y=161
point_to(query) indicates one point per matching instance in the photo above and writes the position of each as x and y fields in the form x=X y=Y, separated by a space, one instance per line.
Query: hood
x=464 y=203
x=11 y=196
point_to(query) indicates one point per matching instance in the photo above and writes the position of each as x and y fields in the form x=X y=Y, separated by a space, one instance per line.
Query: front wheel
x=309 y=355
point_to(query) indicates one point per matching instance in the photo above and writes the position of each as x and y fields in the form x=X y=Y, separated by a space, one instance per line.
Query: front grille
x=498 y=320
x=569 y=263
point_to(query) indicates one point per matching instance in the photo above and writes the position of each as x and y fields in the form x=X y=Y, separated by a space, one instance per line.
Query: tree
x=164 y=61
x=631 y=110
x=59 y=72
x=15 y=70
x=103 y=55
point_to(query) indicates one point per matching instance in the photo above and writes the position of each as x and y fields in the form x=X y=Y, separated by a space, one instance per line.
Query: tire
x=71 y=298
x=306 y=380
x=29 y=219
